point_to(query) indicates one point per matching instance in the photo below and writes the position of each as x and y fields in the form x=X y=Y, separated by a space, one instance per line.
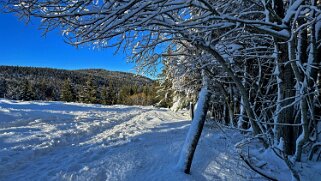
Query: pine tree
x=49 y=92
x=111 y=94
x=26 y=93
x=3 y=88
x=89 y=92
x=104 y=95
x=67 y=93
x=123 y=94
x=164 y=89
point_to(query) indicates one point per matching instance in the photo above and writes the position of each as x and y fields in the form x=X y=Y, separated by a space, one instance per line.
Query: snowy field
x=69 y=141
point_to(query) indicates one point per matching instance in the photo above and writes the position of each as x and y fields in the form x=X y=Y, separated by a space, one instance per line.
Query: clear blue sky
x=23 y=45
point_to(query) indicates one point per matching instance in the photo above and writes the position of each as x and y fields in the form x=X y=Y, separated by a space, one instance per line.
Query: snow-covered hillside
x=69 y=141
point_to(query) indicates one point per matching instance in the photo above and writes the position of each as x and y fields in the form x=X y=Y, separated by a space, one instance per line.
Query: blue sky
x=23 y=45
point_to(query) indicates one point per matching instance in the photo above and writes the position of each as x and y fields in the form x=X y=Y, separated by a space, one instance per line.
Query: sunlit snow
x=70 y=141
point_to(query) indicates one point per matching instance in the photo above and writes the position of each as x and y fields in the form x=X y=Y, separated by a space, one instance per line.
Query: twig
x=256 y=169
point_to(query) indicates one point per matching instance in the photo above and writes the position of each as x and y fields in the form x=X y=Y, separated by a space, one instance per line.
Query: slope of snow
x=70 y=141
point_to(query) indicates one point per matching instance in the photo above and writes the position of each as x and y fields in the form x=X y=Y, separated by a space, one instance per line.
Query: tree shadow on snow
x=149 y=155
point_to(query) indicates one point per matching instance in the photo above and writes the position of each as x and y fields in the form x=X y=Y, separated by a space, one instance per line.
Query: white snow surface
x=71 y=141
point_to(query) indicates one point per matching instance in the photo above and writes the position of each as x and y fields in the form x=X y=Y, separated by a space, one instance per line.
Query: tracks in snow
x=53 y=141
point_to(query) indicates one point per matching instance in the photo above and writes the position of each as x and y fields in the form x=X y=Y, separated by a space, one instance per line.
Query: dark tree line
x=86 y=86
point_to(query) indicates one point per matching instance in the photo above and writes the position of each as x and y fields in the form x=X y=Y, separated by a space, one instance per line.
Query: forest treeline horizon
x=96 y=86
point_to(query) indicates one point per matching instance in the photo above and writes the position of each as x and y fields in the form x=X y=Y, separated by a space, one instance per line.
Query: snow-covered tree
x=27 y=93
x=67 y=91
x=89 y=92
x=3 y=88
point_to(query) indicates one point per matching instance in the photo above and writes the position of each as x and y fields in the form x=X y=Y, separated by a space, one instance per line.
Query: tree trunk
x=286 y=93
x=195 y=131
x=305 y=130
x=191 y=109
x=231 y=106
x=230 y=114
x=285 y=89
x=226 y=113
x=241 y=118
